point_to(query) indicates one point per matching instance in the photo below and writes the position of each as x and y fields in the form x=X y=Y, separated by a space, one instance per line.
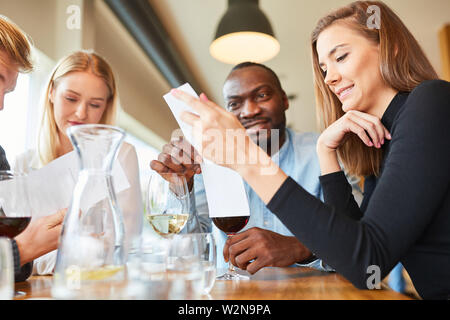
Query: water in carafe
x=90 y=262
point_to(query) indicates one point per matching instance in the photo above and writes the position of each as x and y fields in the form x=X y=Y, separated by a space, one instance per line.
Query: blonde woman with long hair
x=386 y=117
x=82 y=90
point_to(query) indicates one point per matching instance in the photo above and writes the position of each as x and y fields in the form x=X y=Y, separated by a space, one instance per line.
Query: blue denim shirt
x=298 y=159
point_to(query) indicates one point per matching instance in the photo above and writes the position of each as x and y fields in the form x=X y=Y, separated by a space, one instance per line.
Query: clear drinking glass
x=90 y=263
x=15 y=209
x=184 y=270
x=208 y=258
x=167 y=204
x=153 y=268
x=6 y=270
x=231 y=225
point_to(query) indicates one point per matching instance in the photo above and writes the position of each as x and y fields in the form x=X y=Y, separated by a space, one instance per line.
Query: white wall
x=141 y=87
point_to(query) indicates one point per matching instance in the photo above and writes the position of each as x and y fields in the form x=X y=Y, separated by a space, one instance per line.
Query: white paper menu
x=225 y=191
x=51 y=187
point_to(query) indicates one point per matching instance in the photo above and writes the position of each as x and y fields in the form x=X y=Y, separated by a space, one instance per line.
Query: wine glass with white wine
x=167 y=203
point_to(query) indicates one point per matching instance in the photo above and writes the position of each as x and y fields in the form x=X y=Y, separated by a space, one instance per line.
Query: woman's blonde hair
x=15 y=43
x=80 y=61
x=403 y=66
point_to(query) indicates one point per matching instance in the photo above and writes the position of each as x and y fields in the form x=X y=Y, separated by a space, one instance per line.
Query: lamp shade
x=244 y=34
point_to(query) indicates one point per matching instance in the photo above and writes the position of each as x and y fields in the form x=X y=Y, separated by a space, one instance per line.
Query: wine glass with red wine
x=231 y=226
x=15 y=210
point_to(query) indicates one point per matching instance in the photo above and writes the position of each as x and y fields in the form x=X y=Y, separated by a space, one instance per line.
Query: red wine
x=12 y=226
x=230 y=225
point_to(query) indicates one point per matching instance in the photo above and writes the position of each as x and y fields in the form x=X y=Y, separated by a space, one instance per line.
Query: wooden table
x=267 y=284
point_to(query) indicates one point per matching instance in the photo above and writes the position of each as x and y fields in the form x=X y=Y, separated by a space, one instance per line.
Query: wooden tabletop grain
x=267 y=284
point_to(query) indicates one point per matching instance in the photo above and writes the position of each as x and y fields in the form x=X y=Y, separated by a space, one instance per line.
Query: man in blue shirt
x=254 y=94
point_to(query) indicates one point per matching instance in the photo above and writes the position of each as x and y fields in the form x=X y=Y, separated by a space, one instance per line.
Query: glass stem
x=231 y=269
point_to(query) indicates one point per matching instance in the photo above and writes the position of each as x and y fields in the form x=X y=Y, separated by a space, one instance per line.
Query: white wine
x=168 y=224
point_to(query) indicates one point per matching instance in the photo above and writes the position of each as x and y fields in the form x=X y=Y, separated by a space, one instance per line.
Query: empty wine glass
x=167 y=203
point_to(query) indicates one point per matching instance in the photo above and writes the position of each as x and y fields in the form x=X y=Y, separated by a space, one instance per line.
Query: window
x=21 y=116
x=13 y=119
x=145 y=154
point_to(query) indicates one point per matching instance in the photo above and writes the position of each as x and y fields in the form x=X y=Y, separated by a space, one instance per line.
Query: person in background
x=386 y=116
x=42 y=235
x=82 y=90
x=253 y=93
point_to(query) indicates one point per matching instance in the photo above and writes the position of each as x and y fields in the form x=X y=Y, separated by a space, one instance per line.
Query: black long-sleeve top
x=406 y=210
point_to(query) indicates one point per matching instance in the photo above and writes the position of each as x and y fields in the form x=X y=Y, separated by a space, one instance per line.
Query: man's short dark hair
x=247 y=64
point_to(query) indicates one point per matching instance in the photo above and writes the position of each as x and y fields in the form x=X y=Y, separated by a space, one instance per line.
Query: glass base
x=19 y=294
x=232 y=276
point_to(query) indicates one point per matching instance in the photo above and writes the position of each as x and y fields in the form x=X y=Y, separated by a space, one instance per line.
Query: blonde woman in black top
x=386 y=118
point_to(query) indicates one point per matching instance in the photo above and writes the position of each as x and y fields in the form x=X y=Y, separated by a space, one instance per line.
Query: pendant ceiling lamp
x=244 y=34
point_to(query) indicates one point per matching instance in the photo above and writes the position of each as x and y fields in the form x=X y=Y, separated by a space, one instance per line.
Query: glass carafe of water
x=90 y=262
